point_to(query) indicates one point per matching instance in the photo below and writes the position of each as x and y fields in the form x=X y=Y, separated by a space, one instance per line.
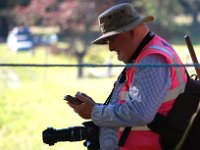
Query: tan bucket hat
x=118 y=19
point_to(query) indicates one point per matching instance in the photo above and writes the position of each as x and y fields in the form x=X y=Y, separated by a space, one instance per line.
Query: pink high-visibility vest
x=141 y=137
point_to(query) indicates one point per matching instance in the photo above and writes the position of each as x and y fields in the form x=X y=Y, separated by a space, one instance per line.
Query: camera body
x=88 y=132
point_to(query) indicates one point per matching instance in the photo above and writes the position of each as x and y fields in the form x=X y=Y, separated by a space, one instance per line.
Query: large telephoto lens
x=51 y=136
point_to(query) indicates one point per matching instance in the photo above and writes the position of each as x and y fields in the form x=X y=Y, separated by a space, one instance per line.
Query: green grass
x=31 y=98
x=31 y=103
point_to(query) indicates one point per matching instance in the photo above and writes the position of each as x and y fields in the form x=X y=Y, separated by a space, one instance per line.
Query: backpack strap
x=190 y=138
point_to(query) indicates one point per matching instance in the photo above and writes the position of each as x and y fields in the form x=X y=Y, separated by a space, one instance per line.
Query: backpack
x=191 y=136
x=172 y=127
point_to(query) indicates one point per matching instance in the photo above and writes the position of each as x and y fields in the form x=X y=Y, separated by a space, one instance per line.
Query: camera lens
x=51 y=135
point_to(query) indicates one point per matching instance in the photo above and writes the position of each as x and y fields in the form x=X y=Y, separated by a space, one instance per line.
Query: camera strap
x=124 y=136
x=121 y=79
x=125 y=133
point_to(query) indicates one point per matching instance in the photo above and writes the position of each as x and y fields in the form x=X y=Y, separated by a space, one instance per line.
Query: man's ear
x=132 y=33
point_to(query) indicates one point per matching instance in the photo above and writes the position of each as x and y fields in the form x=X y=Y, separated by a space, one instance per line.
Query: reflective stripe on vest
x=173 y=93
x=139 y=128
x=123 y=95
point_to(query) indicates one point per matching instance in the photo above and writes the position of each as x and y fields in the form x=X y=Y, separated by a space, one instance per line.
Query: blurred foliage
x=6 y=18
x=163 y=11
x=191 y=7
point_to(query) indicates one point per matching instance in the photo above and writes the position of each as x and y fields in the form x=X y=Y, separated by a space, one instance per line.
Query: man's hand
x=84 y=109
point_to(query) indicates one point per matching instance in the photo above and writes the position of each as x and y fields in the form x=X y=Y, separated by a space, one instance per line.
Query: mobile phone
x=72 y=100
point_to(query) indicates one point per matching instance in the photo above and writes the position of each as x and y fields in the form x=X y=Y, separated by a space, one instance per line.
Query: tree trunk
x=194 y=18
x=3 y=28
x=80 y=69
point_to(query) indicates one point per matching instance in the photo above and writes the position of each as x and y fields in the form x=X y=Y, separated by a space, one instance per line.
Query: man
x=140 y=92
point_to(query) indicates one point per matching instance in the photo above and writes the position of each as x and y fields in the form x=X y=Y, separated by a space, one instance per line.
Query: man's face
x=123 y=45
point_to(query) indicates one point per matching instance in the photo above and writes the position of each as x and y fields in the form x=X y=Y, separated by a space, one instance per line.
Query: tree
x=191 y=7
x=163 y=12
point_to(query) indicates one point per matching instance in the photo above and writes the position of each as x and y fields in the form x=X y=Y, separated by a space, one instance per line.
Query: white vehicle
x=20 y=39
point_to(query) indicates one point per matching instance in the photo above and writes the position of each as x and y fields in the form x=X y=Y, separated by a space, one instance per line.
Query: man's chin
x=121 y=59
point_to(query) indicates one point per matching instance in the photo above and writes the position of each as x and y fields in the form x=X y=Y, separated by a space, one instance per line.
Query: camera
x=72 y=100
x=88 y=132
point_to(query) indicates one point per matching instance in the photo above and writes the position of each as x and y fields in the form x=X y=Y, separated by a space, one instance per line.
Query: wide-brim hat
x=118 y=19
